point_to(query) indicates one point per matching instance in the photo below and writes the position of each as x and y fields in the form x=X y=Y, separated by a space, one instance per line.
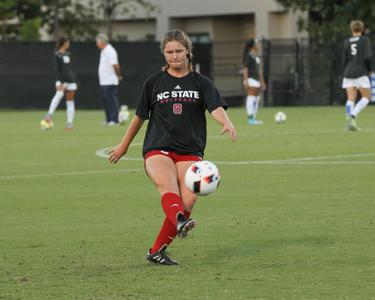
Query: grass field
x=294 y=217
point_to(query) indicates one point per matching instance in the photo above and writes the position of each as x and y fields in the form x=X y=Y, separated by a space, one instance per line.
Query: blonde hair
x=181 y=37
x=357 y=26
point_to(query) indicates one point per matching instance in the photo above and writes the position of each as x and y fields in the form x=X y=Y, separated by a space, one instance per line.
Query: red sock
x=167 y=234
x=172 y=206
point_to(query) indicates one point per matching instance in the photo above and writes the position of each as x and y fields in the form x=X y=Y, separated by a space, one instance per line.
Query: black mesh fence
x=303 y=72
x=297 y=72
x=27 y=78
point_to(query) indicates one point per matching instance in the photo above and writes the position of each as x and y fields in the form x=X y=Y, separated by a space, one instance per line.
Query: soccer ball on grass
x=202 y=177
x=280 y=117
x=124 y=114
x=46 y=124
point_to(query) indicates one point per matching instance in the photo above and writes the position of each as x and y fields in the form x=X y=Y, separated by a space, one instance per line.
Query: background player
x=357 y=68
x=65 y=82
x=253 y=80
x=109 y=78
x=174 y=100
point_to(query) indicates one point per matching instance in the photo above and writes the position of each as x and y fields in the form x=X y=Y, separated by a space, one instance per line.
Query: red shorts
x=173 y=155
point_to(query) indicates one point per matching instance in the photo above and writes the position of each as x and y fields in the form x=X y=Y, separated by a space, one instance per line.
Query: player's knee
x=165 y=187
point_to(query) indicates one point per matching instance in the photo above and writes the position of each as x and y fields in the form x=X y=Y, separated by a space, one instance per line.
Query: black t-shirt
x=252 y=64
x=63 y=67
x=176 y=109
x=357 y=54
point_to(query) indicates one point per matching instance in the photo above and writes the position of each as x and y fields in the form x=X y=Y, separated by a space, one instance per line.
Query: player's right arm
x=116 y=153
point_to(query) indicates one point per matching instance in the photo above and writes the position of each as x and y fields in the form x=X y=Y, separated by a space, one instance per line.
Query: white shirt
x=108 y=58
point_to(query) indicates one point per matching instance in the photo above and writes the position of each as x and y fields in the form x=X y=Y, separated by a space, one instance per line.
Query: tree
x=77 y=19
x=6 y=14
x=29 y=30
x=72 y=18
x=110 y=8
x=19 y=12
x=329 y=19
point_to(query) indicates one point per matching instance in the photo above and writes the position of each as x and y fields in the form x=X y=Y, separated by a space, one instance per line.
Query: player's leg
x=163 y=172
x=250 y=104
x=363 y=102
x=351 y=92
x=104 y=98
x=256 y=107
x=70 y=105
x=187 y=196
x=113 y=105
x=60 y=88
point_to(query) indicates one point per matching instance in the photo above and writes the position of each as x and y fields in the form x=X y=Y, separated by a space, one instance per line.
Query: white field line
x=292 y=161
x=324 y=163
x=299 y=160
x=103 y=153
x=92 y=172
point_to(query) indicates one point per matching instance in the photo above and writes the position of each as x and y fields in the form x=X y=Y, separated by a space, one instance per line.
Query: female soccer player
x=65 y=83
x=174 y=101
x=253 y=80
x=357 y=68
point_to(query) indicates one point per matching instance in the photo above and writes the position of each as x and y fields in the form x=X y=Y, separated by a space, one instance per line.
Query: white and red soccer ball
x=202 y=177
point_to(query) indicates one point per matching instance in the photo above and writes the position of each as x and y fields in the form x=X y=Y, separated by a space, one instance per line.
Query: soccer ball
x=46 y=125
x=123 y=115
x=280 y=117
x=202 y=177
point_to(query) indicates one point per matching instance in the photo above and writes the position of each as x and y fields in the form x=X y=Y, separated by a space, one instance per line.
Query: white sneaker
x=111 y=123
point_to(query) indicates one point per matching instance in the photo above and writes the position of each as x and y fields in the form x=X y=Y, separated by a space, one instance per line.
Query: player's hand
x=232 y=131
x=116 y=153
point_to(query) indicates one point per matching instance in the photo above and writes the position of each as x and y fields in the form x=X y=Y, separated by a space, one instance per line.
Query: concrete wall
x=223 y=20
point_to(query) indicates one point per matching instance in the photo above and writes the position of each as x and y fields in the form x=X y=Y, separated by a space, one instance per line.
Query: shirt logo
x=177 y=108
x=180 y=94
x=177 y=87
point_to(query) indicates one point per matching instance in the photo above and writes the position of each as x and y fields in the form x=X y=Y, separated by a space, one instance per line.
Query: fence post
x=266 y=67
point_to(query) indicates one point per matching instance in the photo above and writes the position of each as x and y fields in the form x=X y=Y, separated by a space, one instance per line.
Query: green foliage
x=6 y=9
x=79 y=21
x=26 y=15
x=329 y=19
x=6 y=13
x=71 y=18
x=29 y=30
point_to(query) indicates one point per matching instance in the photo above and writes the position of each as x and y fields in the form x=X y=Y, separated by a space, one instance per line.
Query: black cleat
x=184 y=226
x=161 y=258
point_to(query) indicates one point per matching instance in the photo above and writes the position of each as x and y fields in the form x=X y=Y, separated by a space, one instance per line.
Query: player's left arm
x=220 y=116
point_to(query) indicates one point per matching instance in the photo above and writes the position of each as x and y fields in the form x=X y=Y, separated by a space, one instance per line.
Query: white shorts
x=69 y=86
x=253 y=83
x=360 y=82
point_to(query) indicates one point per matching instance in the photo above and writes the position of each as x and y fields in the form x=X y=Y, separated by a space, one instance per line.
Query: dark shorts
x=173 y=155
